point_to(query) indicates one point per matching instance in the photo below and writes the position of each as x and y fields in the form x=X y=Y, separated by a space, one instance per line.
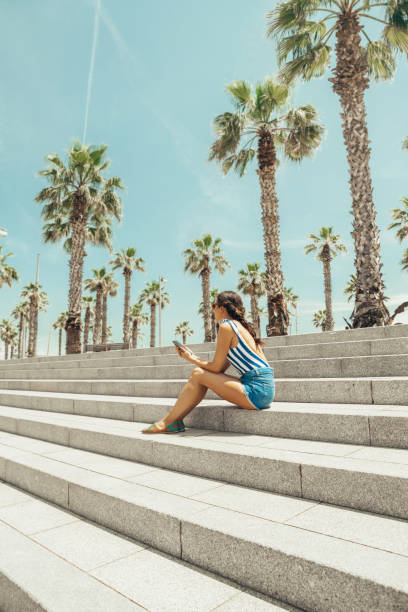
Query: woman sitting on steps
x=238 y=345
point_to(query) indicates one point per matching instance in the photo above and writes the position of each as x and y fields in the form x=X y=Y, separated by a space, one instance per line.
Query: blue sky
x=159 y=79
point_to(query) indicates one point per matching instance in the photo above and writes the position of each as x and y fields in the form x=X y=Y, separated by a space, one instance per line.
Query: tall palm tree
x=303 y=30
x=404 y=260
x=79 y=205
x=252 y=282
x=128 y=262
x=21 y=313
x=7 y=333
x=96 y=285
x=183 y=329
x=109 y=289
x=199 y=261
x=213 y=296
x=38 y=300
x=8 y=274
x=328 y=246
x=351 y=287
x=87 y=303
x=150 y=296
x=400 y=218
x=260 y=116
x=60 y=325
x=319 y=319
x=137 y=318
x=291 y=299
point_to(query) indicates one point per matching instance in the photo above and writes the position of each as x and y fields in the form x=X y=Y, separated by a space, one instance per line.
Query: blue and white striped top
x=243 y=358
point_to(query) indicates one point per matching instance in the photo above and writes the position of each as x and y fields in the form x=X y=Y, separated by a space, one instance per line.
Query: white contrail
x=91 y=67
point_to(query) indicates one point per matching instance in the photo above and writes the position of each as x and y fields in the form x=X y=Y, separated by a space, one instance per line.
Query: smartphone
x=177 y=343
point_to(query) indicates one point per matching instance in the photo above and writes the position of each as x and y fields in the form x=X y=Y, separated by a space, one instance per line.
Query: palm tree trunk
x=12 y=351
x=213 y=328
x=20 y=335
x=134 y=333
x=205 y=281
x=327 y=290
x=6 y=346
x=86 y=327
x=254 y=313
x=59 y=341
x=97 y=320
x=31 y=329
x=350 y=82
x=78 y=222
x=35 y=330
x=104 y=318
x=152 y=324
x=184 y=338
x=277 y=314
x=126 y=330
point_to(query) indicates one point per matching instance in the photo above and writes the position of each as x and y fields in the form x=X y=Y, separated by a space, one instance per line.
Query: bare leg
x=191 y=394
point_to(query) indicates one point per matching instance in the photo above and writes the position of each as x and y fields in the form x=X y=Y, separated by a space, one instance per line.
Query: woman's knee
x=197 y=373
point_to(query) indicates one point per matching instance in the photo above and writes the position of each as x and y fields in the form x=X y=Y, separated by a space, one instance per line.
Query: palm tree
x=260 y=116
x=96 y=285
x=87 y=303
x=252 y=282
x=38 y=300
x=319 y=319
x=128 y=262
x=183 y=329
x=79 y=206
x=150 y=296
x=303 y=30
x=7 y=333
x=351 y=287
x=137 y=318
x=8 y=274
x=400 y=218
x=214 y=326
x=109 y=289
x=21 y=313
x=291 y=299
x=327 y=245
x=405 y=143
x=404 y=260
x=60 y=325
x=206 y=252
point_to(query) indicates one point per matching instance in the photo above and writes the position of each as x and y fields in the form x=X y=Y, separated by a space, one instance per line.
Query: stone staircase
x=301 y=506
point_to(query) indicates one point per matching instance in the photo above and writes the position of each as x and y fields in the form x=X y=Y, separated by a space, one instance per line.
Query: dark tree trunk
x=205 y=281
x=98 y=316
x=134 y=333
x=349 y=83
x=78 y=224
x=126 y=328
x=152 y=324
x=277 y=313
x=104 y=318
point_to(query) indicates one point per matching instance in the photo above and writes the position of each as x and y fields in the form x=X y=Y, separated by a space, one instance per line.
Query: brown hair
x=234 y=306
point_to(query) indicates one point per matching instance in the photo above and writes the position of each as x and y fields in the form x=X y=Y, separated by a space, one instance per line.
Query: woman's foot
x=161 y=427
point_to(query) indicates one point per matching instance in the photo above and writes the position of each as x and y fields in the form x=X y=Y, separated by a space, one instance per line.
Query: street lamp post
x=161 y=280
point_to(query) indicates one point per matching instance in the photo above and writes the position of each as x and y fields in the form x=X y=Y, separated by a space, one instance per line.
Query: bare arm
x=220 y=362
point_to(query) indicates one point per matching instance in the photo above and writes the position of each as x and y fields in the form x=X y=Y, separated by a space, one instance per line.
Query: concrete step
x=379 y=390
x=101 y=569
x=274 y=544
x=352 y=424
x=360 y=348
x=371 y=333
x=359 y=477
x=336 y=367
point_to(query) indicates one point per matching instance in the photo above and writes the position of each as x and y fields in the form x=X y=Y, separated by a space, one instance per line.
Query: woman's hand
x=185 y=354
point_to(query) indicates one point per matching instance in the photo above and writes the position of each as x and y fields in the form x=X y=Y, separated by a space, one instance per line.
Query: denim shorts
x=259 y=387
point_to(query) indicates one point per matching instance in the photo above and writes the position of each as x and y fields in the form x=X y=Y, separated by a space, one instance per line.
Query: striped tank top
x=243 y=358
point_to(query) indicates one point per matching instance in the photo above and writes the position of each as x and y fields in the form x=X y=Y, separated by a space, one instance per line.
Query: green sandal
x=175 y=427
